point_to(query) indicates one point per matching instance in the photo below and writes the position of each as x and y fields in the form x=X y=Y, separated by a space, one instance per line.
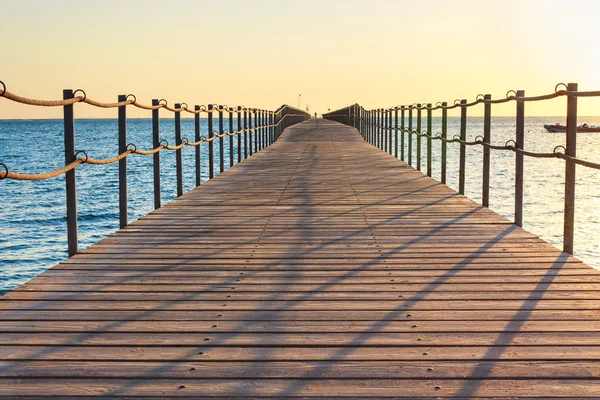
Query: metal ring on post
x=560 y=84
x=560 y=146
x=479 y=140
x=184 y=140
x=164 y=105
x=163 y=140
x=508 y=94
x=508 y=141
x=2 y=94
x=134 y=147
x=134 y=98
x=456 y=102
x=82 y=91
x=456 y=137
x=477 y=97
x=438 y=135
x=439 y=104
x=4 y=165
x=84 y=153
x=182 y=106
x=203 y=137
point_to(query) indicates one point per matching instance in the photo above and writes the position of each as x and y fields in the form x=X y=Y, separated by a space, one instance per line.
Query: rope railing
x=84 y=99
x=6 y=174
x=256 y=129
x=393 y=129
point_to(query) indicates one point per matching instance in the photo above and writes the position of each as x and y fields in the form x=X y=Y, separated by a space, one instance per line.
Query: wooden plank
x=302 y=273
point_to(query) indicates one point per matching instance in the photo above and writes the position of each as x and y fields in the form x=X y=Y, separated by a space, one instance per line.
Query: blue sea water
x=33 y=219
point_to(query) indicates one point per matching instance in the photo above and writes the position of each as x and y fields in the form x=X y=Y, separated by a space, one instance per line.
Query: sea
x=33 y=235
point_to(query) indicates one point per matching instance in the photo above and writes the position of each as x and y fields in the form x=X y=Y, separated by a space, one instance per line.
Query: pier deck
x=320 y=267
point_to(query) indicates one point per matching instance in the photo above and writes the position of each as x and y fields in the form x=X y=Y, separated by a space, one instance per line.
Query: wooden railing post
x=230 y=118
x=382 y=136
x=381 y=131
x=402 y=109
x=419 y=131
x=261 y=124
x=211 y=144
x=463 y=137
x=377 y=129
x=260 y=130
x=246 y=133
x=570 y=150
x=221 y=144
x=197 y=148
x=178 y=157
x=383 y=124
x=256 y=132
x=444 y=136
x=367 y=116
x=265 y=132
x=271 y=129
x=156 y=156
x=70 y=177
x=429 y=134
x=519 y=144
x=122 y=115
x=373 y=131
x=240 y=133
x=390 y=131
x=410 y=125
x=487 y=138
x=396 y=132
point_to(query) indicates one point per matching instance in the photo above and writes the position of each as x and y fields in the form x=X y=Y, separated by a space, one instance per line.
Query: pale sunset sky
x=379 y=53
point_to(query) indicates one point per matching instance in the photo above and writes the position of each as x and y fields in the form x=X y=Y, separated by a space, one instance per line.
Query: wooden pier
x=319 y=267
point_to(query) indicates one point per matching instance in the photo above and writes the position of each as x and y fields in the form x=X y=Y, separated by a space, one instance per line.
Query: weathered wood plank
x=319 y=268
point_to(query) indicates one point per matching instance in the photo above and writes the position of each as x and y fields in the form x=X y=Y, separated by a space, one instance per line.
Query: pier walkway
x=319 y=267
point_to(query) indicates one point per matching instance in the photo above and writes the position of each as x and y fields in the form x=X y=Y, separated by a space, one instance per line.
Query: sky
x=264 y=53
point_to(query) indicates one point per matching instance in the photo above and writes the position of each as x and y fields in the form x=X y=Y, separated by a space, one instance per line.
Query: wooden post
x=402 y=109
x=230 y=113
x=240 y=133
x=122 y=114
x=211 y=144
x=369 y=138
x=390 y=129
x=463 y=147
x=256 y=132
x=419 y=131
x=410 y=125
x=444 y=136
x=221 y=144
x=571 y=150
x=272 y=128
x=70 y=177
x=396 y=132
x=197 y=149
x=156 y=156
x=264 y=129
x=429 y=134
x=381 y=130
x=246 y=133
x=487 y=138
x=519 y=144
x=178 y=158
x=388 y=132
